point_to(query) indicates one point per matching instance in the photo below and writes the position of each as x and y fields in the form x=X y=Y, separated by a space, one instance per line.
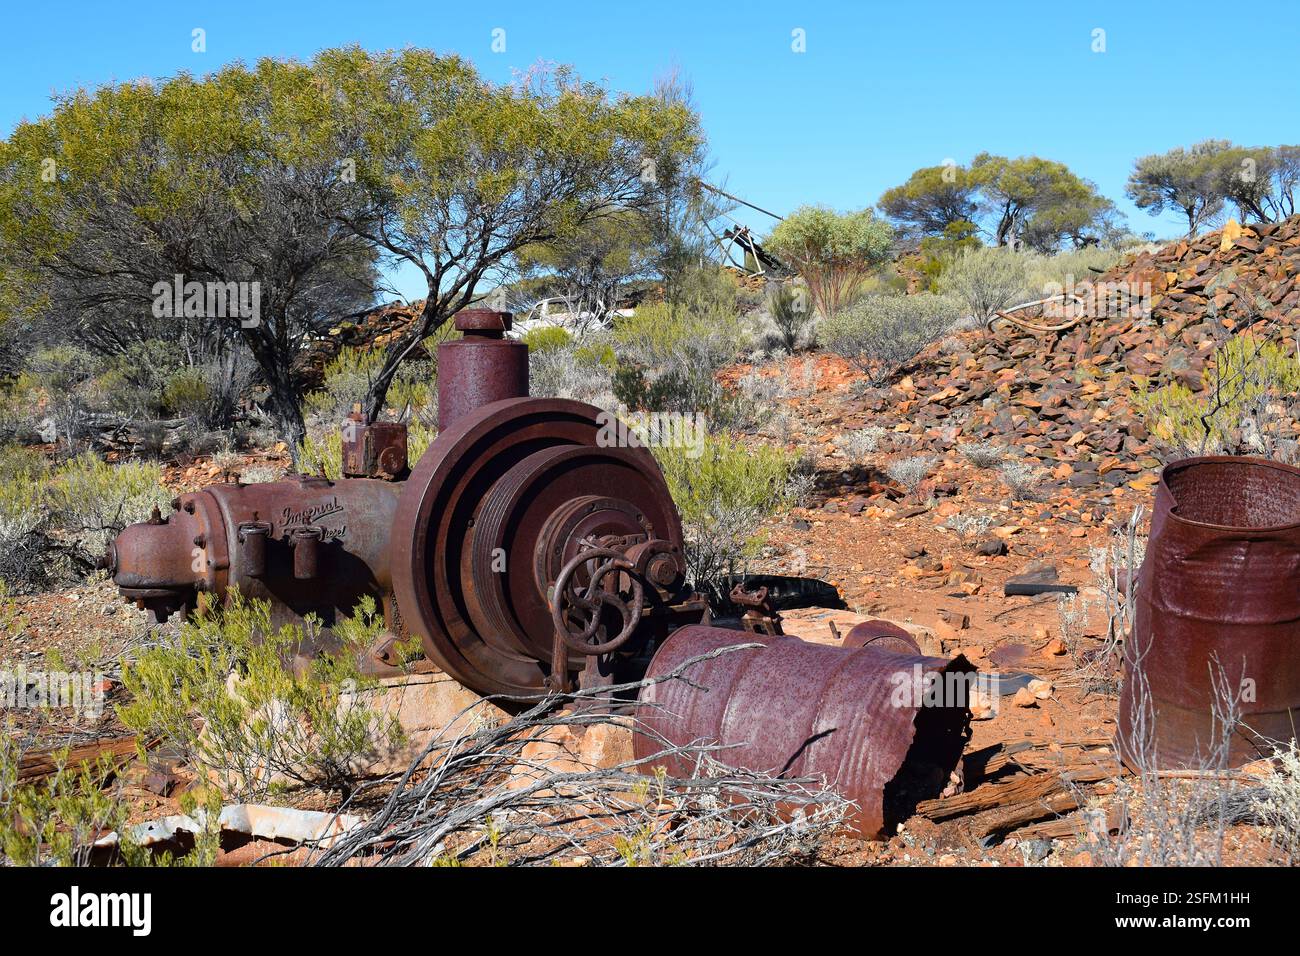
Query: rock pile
x=1064 y=398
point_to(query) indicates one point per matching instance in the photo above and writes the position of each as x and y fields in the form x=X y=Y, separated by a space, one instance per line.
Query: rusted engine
x=533 y=548
x=534 y=540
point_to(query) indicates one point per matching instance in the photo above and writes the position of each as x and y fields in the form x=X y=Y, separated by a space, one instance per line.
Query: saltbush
x=880 y=333
x=986 y=279
x=56 y=523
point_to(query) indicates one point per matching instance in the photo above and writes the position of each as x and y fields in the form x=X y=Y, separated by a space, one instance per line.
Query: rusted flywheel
x=510 y=499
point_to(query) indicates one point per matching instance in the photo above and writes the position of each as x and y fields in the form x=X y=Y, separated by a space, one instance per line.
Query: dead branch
x=483 y=793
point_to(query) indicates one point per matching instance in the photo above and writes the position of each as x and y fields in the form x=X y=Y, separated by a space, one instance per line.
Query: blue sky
x=882 y=88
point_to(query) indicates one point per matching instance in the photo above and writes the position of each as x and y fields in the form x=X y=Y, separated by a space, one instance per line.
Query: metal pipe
x=481 y=367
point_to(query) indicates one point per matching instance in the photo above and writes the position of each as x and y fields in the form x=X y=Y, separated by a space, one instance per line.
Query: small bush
x=24 y=521
x=910 y=472
x=55 y=524
x=969 y=527
x=791 y=311
x=19 y=401
x=983 y=454
x=55 y=820
x=66 y=375
x=321 y=453
x=260 y=727
x=987 y=279
x=348 y=378
x=880 y=333
x=670 y=352
x=858 y=445
x=92 y=501
x=1021 y=480
x=723 y=496
x=259 y=474
x=419 y=436
x=187 y=395
x=582 y=373
x=1277 y=802
x=546 y=338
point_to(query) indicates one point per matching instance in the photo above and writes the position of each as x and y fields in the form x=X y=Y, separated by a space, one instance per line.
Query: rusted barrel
x=854 y=716
x=1218 y=603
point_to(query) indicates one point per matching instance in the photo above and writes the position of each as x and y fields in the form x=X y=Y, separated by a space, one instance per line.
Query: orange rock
x=1024 y=698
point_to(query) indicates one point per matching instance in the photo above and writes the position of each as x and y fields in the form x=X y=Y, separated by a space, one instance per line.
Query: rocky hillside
x=1063 y=397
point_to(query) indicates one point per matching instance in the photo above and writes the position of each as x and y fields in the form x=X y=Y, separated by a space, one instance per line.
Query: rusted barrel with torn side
x=854 y=716
x=1218 y=616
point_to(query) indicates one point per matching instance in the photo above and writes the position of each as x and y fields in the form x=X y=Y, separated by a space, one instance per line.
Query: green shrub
x=19 y=402
x=582 y=373
x=880 y=333
x=669 y=354
x=55 y=820
x=936 y=253
x=65 y=375
x=56 y=523
x=349 y=377
x=724 y=492
x=24 y=522
x=260 y=726
x=833 y=252
x=186 y=394
x=546 y=338
x=419 y=436
x=321 y=453
x=987 y=279
x=414 y=389
x=792 y=314
x=22 y=462
x=1237 y=410
x=91 y=501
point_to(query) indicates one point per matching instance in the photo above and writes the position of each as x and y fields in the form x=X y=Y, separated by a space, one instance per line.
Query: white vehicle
x=558 y=312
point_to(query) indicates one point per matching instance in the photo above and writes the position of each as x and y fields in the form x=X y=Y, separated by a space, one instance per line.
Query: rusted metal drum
x=851 y=715
x=1218 y=601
